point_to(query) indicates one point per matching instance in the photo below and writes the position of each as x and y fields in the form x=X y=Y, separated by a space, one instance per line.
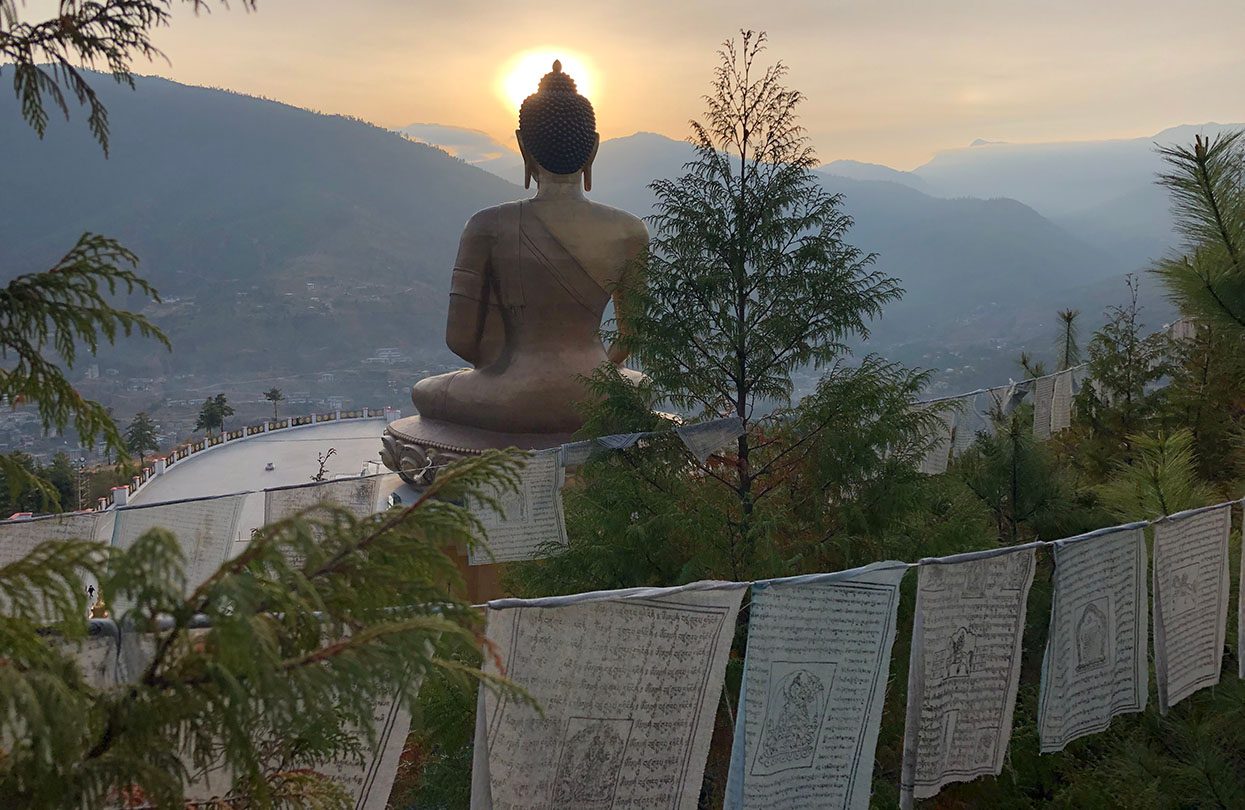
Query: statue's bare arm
x=637 y=249
x=470 y=332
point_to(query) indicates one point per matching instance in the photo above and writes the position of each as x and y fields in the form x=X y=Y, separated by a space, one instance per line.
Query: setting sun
x=520 y=76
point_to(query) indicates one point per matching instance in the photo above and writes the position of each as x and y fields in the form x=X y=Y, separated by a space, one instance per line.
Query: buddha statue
x=529 y=289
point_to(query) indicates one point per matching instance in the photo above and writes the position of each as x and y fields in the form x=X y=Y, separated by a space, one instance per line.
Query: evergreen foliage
x=1207 y=396
x=64 y=479
x=213 y=414
x=47 y=56
x=1158 y=479
x=26 y=486
x=748 y=279
x=274 y=396
x=1127 y=360
x=1020 y=480
x=140 y=436
x=1207 y=187
x=1069 y=348
x=53 y=316
x=319 y=618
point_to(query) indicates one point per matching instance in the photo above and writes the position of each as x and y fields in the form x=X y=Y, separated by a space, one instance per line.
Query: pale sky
x=887 y=81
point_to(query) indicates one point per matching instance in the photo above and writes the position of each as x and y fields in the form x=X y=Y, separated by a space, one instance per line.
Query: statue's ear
x=527 y=161
x=596 y=144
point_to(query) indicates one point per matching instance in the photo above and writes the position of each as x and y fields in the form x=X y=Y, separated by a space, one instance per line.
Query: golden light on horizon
x=521 y=75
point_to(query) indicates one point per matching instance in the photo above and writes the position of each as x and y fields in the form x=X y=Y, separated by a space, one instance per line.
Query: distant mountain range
x=472 y=146
x=285 y=239
x=281 y=239
x=1102 y=191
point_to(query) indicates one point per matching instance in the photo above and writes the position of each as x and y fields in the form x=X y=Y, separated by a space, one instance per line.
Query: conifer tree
x=1206 y=183
x=49 y=316
x=63 y=478
x=140 y=437
x=321 y=617
x=1125 y=361
x=1160 y=478
x=1208 y=378
x=1069 y=349
x=316 y=621
x=749 y=279
x=274 y=396
x=1018 y=478
x=213 y=413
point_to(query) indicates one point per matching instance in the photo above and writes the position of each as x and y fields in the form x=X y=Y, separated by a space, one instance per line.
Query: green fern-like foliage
x=1159 y=479
x=1206 y=183
x=1205 y=395
x=46 y=320
x=46 y=56
x=1207 y=186
x=321 y=616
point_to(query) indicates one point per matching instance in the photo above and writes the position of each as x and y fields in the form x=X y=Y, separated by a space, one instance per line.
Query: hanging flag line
x=919 y=779
x=617 y=441
x=1172 y=327
x=971 y=640
x=801 y=579
x=980 y=391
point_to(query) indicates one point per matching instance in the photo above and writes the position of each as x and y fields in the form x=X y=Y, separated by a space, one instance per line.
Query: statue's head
x=557 y=130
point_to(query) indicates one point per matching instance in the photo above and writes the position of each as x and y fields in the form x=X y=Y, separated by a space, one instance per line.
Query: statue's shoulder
x=626 y=221
x=487 y=221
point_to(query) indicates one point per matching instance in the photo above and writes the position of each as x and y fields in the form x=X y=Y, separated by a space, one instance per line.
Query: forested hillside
x=279 y=238
x=290 y=241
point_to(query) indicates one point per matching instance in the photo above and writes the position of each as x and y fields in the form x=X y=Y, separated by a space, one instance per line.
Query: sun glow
x=520 y=77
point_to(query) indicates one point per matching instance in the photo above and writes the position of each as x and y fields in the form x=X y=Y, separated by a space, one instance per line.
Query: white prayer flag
x=628 y=684
x=1061 y=402
x=1005 y=398
x=1190 y=601
x=1043 y=403
x=814 y=681
x=964 y=668
x=529 y=518
x=367 y=777
x=575 y=454
x=368 y=780
x=620 y=441
x=1096 y=663
x=205 y=529
x=356 y=495
x=707 y=438
x=968 y=423
x=934 y=462
x=1240 y=618
x=1183 y=329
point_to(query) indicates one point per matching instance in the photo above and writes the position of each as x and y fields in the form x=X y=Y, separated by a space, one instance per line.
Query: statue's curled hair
x=557 y=124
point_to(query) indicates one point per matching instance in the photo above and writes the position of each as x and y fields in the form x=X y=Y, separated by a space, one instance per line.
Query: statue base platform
x=416 y=447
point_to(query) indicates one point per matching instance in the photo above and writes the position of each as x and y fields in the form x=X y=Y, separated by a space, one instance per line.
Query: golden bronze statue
x=529 y=289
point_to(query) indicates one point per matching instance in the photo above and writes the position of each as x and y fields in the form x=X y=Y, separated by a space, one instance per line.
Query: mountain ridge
x=285 y=238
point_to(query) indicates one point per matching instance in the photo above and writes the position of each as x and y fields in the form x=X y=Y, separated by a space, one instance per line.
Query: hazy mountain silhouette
x=1103 y=191
x=967 y=265
x=855 y=170
x=286 y=239
x=292 y=239
x=473 y=146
